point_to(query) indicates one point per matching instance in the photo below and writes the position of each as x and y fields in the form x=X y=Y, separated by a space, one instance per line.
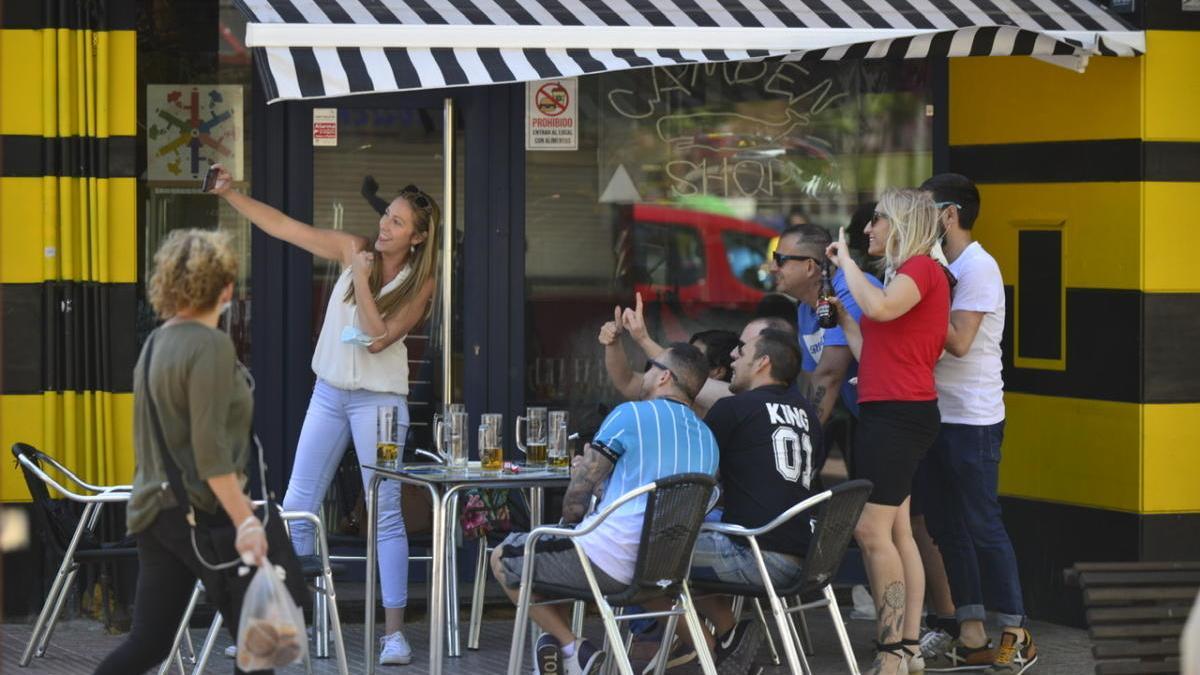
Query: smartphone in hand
x=210 y=179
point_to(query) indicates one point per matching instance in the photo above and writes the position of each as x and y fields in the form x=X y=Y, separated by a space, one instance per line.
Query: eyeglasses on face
x=876 y=216
x=418 y=198
x=781 y=258
x=651 y=363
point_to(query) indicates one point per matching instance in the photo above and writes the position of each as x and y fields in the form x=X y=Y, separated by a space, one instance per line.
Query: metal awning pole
x=447 y=247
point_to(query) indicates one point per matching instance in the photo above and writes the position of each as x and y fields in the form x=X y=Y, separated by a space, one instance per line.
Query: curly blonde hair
x=191 y=268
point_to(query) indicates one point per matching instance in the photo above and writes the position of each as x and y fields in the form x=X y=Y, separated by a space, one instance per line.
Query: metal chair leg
x=664 y=649
x=840 y=628
x=795 y=638
x=805 y=636
x=210 y=640
x=766 y=629
x=181 y=631
x=612 y=634
x=320 y=619
x=693 y=620
x=59 y=603
x=577 y=612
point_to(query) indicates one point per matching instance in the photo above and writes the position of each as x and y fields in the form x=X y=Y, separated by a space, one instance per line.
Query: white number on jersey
x=793 y=455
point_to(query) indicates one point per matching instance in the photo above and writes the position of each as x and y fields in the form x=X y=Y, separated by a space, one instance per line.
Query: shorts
x=719 y=558
x=555 y=563
x=891 y=439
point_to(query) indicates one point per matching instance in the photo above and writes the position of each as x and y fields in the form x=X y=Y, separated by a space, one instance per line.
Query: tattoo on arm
x=818 y=397
x=587 y=479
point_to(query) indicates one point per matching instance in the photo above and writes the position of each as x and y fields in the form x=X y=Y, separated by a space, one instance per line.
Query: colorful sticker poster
x=190 y=127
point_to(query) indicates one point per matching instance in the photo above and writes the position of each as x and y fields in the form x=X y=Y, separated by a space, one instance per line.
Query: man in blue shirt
x=796 y=264
x=639 y=442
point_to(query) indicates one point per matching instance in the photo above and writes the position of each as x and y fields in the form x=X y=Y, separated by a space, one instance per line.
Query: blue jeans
x=962 y=513
x=334 y=418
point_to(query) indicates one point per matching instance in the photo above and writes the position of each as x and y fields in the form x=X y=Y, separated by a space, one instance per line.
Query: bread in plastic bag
x=271 y=630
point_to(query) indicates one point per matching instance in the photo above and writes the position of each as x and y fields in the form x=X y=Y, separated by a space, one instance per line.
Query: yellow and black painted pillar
x=1089 y=182
x=68 y=235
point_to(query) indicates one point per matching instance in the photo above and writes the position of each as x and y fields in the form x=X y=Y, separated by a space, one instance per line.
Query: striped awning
x=321 y=48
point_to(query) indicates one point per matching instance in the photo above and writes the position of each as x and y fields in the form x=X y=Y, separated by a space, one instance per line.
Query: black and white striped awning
x=320 y=48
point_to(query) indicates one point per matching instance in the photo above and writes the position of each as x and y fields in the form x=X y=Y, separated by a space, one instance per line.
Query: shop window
x=680 y=179
x=1040 y=299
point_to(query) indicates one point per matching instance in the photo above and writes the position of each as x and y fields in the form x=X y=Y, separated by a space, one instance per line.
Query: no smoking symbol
x=552 y=99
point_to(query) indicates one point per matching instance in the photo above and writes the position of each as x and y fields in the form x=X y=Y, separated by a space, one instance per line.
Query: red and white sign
x=552 y=115
x=325 y=123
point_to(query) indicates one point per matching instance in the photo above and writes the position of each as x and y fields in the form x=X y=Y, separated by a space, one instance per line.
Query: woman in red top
x=902 y=333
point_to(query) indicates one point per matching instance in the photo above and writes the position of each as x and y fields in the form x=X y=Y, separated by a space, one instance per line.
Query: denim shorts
x=719 y=558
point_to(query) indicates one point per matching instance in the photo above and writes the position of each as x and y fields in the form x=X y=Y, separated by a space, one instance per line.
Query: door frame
x=492 y=296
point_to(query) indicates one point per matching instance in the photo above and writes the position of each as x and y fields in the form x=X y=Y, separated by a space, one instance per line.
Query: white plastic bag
x=271 y=631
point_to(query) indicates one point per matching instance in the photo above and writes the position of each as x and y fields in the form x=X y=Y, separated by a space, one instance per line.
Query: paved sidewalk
x=79 y=645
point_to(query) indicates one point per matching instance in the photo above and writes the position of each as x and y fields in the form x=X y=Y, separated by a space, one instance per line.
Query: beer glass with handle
x=387 y=434
x=440 y=429
x=455 y=454
x=534 y=446
x=491 y=455
x=557 y=454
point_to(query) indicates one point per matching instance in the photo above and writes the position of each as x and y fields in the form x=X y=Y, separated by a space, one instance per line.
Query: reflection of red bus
x=692 y=261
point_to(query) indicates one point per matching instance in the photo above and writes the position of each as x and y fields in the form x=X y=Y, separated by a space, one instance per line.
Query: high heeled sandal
x=896 y=649
x=914 y=660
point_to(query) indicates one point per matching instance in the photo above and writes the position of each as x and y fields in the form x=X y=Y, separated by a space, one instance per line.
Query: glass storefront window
x=194 y=79
x=683 y=178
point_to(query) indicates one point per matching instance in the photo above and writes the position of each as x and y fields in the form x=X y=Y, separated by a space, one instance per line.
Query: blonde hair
x=423 y=259
x=914 y=225
x=191 y=268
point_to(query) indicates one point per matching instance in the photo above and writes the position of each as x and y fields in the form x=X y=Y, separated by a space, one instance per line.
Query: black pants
x=168 y=570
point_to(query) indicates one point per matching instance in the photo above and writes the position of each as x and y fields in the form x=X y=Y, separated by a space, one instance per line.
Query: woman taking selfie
x=898 y=342
x=361 y=363
x=192 y=413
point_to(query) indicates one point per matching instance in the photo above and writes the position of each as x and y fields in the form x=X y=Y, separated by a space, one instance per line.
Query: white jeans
x=334 y=416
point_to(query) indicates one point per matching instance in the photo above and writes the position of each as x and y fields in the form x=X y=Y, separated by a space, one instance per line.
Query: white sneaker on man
x=231 y=652
x=395 y=650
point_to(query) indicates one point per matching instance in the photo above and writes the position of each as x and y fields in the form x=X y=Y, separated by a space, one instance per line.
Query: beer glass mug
x=387 y=434
x=440 y=430
x=557 y=454
x=491 y=456
x=534 y=446
x=455 y=454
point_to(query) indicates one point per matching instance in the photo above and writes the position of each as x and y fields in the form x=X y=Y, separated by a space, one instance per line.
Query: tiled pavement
x=80 y=644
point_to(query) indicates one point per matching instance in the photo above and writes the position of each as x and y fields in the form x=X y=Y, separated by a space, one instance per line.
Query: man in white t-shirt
x=961 y=472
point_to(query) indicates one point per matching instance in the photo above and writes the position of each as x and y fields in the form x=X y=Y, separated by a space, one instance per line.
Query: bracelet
x=250 y=520
x=247 y=532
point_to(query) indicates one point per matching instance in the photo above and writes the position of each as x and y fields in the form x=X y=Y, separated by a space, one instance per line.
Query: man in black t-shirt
x=771 y=453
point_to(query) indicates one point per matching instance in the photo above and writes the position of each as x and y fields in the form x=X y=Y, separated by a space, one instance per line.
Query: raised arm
x=879 y=304
x=615 y=360
x=323 y=243
x=634 y=321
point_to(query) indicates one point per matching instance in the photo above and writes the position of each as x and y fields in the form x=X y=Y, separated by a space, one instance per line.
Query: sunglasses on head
x=876 y=216
x=943 y=205
x=418 y=198
x=651 y=363
x=781 y=258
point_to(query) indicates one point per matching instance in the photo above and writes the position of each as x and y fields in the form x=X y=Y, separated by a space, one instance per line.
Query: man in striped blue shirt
x=638 y=443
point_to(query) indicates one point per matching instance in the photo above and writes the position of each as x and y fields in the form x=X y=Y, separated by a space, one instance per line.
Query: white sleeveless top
x=347 y=365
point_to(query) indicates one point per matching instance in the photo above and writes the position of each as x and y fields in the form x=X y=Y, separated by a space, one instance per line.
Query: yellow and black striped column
x=1088 y=184
x=68 y=234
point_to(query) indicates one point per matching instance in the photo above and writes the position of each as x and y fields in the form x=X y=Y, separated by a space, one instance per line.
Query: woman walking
x=361 y=363
x=192 y=409
x=902 y=333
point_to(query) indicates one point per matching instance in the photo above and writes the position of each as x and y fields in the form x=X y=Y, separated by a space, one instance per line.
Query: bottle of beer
x=826 y=312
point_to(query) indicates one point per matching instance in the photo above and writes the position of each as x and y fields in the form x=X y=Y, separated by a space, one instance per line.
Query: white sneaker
x=231 y=652
x=395 y=651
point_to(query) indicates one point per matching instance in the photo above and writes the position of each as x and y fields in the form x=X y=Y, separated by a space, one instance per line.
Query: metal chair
x=675 y=507
x=840 y=508
x=67 y=535
x=325 y=612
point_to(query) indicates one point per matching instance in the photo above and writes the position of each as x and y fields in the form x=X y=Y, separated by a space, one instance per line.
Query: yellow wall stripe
x=21 y=233
x=1171 y=463
x=1101 y=239
x=1073 y=450
x=1019 y=99
x=1172 y=97
x=1168 y=263
x=22 y=76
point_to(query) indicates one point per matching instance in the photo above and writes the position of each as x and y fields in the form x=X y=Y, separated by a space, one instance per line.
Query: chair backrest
x=834 y=528
x=55 y=519
x=674 y=512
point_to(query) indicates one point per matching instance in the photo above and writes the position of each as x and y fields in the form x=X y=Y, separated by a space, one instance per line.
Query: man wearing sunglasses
x=796 y=265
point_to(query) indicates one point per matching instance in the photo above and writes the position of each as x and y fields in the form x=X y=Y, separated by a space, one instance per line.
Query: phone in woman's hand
x=210 y=179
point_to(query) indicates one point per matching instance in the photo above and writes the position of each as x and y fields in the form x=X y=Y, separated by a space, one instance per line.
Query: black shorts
x=891 y=439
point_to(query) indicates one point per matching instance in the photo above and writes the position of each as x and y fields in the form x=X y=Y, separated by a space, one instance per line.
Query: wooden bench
x=1135 y=612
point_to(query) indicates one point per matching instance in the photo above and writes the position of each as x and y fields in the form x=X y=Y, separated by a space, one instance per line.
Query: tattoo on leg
x=891 y=613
